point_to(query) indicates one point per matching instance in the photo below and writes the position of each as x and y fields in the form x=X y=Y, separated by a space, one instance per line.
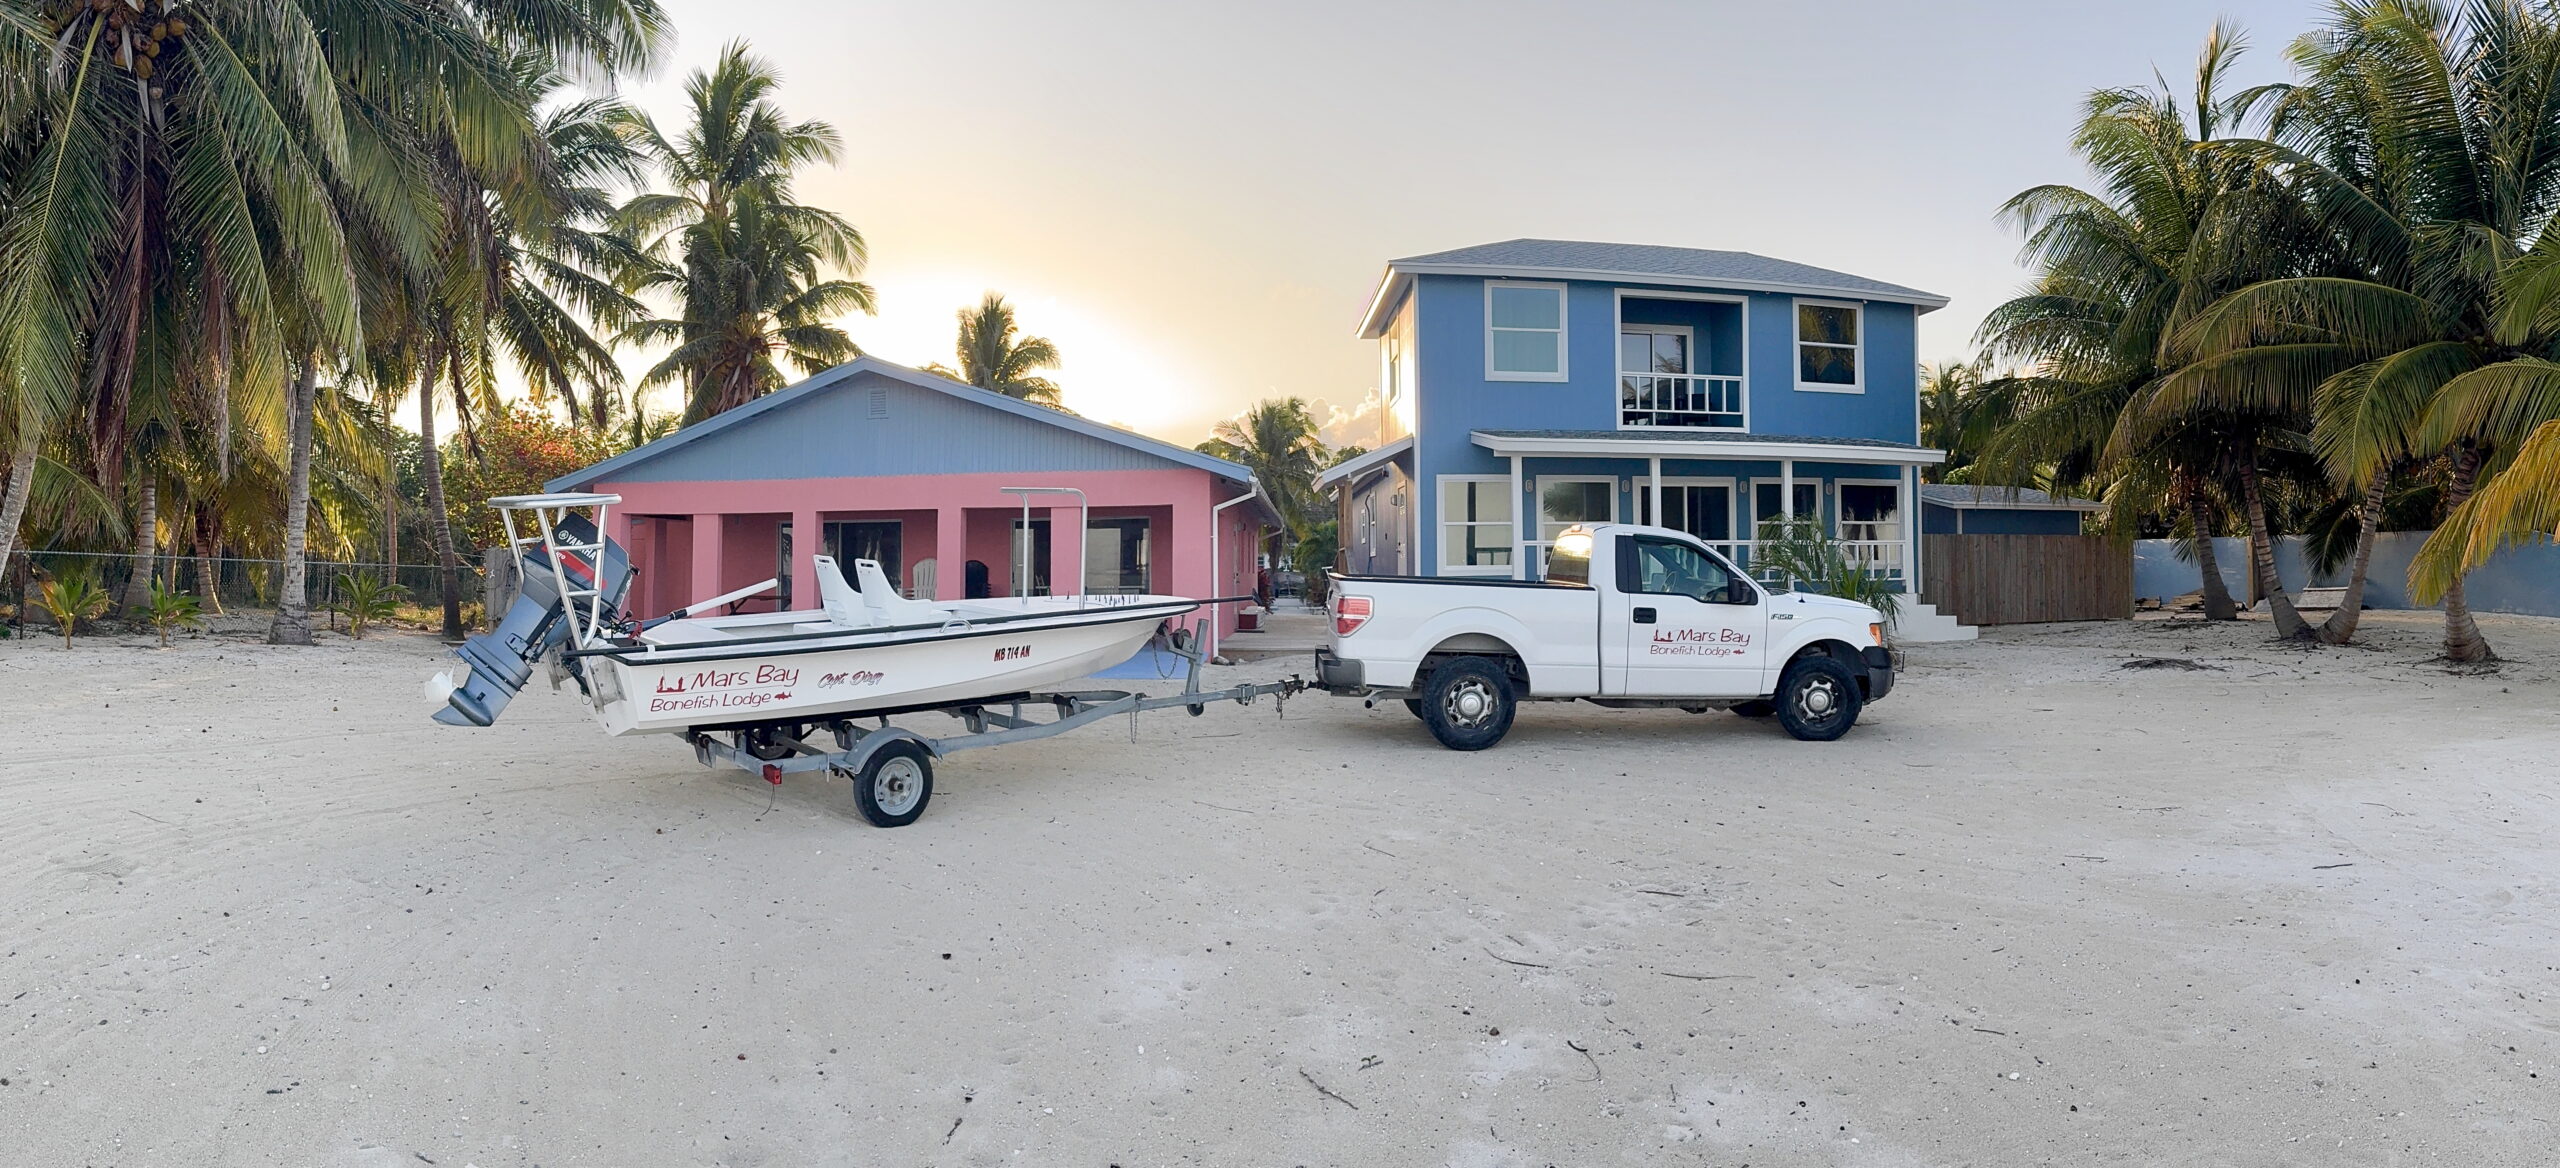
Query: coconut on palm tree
x=993 y=355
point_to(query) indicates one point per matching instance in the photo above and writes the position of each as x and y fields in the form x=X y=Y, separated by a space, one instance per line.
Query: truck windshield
x=1569 y=561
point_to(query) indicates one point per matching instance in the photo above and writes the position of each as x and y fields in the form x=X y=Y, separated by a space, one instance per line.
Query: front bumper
x=1337 y=676
x=1881 y=667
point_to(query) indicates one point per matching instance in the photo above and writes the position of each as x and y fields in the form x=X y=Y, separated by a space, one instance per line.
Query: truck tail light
x=1349 y=613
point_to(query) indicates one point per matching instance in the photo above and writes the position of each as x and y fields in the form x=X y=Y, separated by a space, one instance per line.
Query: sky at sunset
x=1194 y=200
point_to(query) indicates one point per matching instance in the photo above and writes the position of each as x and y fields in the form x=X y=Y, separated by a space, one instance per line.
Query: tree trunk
x=208 y=568
x=2217 y=596
x=146 y=543
x=2462 y=639
x=293 y=592
x=2340 y=628
x=13 y=502
x=2262 y=555
x=431 y=468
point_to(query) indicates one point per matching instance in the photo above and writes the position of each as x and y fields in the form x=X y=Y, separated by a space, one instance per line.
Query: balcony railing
x=1679 y=399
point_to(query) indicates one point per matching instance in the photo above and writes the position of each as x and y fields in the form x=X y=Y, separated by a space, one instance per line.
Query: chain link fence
x=230 y=582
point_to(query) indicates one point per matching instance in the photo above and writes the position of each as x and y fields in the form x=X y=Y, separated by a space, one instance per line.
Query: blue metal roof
x=848 y=377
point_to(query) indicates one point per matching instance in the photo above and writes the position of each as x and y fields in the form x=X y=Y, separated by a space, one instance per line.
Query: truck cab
x=1628 y=616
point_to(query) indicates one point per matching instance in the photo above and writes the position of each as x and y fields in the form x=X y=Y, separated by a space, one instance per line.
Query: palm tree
x=1277 y=440
x=2116 y=275
x=2429 y=140
x=745 y=264
x=993 y=356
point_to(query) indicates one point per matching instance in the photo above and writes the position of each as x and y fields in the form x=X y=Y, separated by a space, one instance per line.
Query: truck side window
x=1677 y=569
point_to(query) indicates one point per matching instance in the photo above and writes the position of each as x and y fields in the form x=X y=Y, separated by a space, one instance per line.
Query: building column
x=1911 y=531
x=1787 y=489
x=808 y=535
x=1656 y=466
x=1523 y=522
x=1066 y=550
x=707 y=530
x=950 y=553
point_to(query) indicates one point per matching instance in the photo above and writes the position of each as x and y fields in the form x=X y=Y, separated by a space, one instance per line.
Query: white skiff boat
x=867 y=651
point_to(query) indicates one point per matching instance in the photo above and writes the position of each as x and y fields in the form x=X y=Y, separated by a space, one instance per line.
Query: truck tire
x=1413 y=706
x=1756 y=709
x=1817 y=699
x=1468 y=703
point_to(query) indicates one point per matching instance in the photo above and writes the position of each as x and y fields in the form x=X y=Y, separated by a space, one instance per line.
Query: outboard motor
x=502 y=660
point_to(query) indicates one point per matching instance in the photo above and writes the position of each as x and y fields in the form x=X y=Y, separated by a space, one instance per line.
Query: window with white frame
x=1476 y=524
x=1524 y=331
x=1829 y=346
x=1391 y=378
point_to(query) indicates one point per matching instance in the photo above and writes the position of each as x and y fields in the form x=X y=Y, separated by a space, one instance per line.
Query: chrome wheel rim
x=1817 y=699
x=1470 y=703
x=898 y=786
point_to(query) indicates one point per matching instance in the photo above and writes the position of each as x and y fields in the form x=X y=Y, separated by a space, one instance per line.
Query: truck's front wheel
x=1468 y=703
x=1817 y=699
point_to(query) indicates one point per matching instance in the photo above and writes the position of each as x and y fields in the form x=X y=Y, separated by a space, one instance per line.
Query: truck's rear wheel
x=1468 y=703
x=1817 y=699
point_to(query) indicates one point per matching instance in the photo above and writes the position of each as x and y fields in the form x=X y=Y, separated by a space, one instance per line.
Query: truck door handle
x=1644 y=616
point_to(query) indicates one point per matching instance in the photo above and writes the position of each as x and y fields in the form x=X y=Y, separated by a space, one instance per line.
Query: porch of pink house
x=944 y=537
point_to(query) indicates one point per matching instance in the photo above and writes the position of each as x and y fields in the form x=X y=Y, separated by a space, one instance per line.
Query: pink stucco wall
x=691 y=540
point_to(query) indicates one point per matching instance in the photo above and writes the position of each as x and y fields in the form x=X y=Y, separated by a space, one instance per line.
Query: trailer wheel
x=1755 y=709
x=1468 y=703
x=895 y=784
x=1817 y=699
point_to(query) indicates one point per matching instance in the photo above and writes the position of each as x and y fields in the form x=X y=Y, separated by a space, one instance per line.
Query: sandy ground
x=2292 y=909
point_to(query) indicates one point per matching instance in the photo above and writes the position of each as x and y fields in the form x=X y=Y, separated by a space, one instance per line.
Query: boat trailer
x=892 y=767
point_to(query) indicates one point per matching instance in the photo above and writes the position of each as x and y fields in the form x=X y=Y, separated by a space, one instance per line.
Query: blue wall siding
x=1454 y=398
x=832 y=433
x=2524 y=579
x=1940 y=519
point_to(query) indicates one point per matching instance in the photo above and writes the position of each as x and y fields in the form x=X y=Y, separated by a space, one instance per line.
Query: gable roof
x=845 y=374
x=2002 y=498
x=1567 y=259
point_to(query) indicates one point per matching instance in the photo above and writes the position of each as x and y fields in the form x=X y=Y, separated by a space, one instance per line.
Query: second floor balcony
x=1680 y=362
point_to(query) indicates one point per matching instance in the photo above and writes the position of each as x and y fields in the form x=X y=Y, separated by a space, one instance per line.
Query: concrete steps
x=1923 y=623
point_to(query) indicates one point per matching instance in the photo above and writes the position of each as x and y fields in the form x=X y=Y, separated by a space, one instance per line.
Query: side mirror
x=1739 y=591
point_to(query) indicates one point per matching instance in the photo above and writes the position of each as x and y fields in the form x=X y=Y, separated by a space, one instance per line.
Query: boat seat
x=845 y=607
x=886 y=605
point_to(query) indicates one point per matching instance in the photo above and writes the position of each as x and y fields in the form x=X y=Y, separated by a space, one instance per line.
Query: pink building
x=872 y=460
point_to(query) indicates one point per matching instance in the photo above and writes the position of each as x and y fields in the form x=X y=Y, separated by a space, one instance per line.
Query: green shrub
x=170 y=611
x=365 y=599
x=70 y=600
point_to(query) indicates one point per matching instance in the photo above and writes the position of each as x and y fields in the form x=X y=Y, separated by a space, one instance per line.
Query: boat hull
x=684 y=687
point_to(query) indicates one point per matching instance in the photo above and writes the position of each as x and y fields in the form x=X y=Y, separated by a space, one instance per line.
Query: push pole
x=1084 y=519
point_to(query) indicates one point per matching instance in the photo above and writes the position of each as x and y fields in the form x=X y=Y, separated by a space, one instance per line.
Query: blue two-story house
x=1535 y=384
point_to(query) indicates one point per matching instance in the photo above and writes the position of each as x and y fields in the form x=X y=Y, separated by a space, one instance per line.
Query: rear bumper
x=1880 y=670
x=1335 y=675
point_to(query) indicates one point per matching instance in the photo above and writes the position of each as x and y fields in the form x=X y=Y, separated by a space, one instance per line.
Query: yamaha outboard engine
x=501 y=661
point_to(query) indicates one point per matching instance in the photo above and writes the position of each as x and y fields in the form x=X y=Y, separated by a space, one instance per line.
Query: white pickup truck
x=1628 y=616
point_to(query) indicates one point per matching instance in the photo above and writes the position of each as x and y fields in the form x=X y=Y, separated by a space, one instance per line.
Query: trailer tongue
x=754 y=691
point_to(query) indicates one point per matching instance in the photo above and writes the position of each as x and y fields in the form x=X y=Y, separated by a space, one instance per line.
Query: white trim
x=1538 y=505
x=1732 y=503
x=1857 y=352
x=1748 y=500
x=1440 y=515
x=1353 y=468
x=1618 y=306
x=1564 y=331
x=1519 y=538
x=1399 y=275
x=1619 y=447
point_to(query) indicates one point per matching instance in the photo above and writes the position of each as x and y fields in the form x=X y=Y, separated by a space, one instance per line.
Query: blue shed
x=1961 y=509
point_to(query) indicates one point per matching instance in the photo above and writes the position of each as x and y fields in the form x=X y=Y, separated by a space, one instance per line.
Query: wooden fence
x=2018 y=579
